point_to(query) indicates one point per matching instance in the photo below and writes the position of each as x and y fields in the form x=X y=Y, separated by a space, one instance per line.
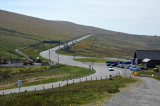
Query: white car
x=111 y=68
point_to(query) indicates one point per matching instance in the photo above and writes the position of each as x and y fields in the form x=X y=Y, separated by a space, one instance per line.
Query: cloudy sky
x=130 y=16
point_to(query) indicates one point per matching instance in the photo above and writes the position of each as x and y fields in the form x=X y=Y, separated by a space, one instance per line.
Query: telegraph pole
x=58 y=58
x=49 y=58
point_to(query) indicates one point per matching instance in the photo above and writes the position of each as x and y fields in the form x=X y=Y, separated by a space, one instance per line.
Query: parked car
x=135 y=68
x=132 y=67
x=114 y=65
x=108 y=64
x=121 y=66
x=128 y=67
x=111 y=68
x=118 y=65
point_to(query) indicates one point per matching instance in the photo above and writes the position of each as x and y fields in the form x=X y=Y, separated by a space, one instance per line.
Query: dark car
x=118 y=66
x=135 y=68
x=114 y=65
x=128 y=67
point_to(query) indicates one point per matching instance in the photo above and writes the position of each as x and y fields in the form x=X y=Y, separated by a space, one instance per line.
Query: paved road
x=101 y=70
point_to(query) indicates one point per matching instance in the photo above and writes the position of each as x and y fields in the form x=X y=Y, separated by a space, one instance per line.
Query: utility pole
x=58 y=58
x=49 y=58
x=118 y=58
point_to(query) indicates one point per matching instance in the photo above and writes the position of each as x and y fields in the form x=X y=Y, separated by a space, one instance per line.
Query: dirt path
x=142 y=94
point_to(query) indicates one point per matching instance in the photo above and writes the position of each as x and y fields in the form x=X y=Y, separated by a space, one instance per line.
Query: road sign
x=19 y=83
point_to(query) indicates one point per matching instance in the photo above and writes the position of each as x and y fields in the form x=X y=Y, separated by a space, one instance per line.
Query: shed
x=145 y=62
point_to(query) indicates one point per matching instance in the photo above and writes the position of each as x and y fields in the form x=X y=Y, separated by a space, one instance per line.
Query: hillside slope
x=106 y=45
x=45 y=29
x=17 y=31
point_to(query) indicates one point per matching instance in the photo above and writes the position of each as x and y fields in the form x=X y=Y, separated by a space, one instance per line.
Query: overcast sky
x=130 y=16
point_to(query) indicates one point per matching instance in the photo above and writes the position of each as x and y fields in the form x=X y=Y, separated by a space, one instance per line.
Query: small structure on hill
x=148 y=58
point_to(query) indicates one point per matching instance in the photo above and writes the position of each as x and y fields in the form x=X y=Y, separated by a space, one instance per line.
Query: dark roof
x=150 y=54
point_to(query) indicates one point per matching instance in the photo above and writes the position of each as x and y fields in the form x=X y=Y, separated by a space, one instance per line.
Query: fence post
x=11 y=92
x=3 y=92
x=86 y=79
x=80 y=80
x=110 y=77
x=96 y=78
x=52 y=85
x=73 y=81
x=43 y=87
x=59 y=85
x=35 y=89
x=67 y=82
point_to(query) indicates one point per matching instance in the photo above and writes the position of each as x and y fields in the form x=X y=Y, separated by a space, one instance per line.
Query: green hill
x=110 y=45
x=17 y=31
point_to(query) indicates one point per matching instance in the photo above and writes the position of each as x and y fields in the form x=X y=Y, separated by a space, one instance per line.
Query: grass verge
x=73 y=94
x=95 y=60
x=151 y=73
x=41 y=75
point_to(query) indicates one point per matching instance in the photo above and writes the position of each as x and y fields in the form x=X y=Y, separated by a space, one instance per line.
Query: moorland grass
x=73 y=94
x=109 y=45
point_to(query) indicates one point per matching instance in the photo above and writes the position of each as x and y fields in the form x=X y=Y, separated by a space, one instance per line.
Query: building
x=149 y=58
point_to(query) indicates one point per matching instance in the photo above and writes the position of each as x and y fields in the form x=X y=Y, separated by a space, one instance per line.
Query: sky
x=130 y=16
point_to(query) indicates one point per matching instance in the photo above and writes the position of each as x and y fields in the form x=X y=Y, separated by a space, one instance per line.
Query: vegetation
x=40 y=75
x=151 y=73
x=95 y=60
x=16 y=32
x=33 y=52
x=74 y=94
x=113 y=45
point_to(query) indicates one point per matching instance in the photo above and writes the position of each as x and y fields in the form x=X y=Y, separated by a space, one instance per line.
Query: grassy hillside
x=107 y=45
x=11 y=40
x=18 y=31
x=46 y=29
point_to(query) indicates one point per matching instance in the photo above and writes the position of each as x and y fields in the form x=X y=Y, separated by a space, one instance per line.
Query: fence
x=56 y=84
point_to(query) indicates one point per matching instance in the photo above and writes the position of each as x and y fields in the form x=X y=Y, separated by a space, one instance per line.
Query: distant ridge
x=17 y=31
x=46 y=29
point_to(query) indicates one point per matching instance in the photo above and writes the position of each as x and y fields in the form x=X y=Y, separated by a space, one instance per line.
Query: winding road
x=101 y=70
x=141 y=94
